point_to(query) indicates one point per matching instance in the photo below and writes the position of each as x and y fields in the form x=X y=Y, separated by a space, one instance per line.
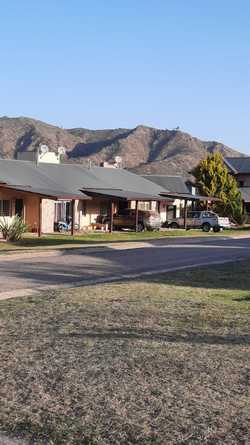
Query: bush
x=12 y=230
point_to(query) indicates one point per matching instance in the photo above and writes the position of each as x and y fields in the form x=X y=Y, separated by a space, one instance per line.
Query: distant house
x=239 y=167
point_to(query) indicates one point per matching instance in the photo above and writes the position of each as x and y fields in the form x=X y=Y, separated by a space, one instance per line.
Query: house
x=239 y=167
x=43 y=193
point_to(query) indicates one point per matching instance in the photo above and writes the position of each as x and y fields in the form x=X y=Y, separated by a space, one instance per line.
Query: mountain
x=143 y=149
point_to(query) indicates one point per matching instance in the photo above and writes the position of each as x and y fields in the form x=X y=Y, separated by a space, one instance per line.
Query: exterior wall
x=31 y=216
x=87 y=211
x=48 y=215
x=243 y=178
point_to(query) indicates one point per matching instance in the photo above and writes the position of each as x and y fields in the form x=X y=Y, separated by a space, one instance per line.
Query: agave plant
x=12 y=230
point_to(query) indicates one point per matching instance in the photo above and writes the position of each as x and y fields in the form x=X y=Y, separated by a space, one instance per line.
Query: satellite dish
x=44 y=149
x=61 y=151
x=118 y=159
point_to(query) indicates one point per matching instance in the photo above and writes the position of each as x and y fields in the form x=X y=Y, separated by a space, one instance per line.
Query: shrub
x=12 y=230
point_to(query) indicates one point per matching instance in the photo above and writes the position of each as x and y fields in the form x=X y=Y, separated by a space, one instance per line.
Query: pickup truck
x=205 y=220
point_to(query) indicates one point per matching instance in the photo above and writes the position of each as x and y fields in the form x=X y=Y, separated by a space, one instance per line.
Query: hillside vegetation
x=143 y=149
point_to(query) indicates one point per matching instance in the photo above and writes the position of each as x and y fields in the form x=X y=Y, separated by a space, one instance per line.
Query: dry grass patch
x=146 y=362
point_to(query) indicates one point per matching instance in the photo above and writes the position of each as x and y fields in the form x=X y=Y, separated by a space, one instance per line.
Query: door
x=19 y=208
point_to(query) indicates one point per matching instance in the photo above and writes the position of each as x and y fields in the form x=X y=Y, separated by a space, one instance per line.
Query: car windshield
x=209 y=214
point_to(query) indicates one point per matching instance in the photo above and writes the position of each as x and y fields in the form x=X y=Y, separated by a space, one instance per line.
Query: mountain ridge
x=143 y=149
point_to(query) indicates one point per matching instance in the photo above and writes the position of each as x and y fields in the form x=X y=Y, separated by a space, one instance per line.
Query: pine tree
x=214 y=179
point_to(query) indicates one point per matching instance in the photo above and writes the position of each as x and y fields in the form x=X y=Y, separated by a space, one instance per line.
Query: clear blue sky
x=111 y=63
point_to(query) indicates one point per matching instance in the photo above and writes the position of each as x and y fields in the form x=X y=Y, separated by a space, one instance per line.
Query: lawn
x=157 y=362
x=31 y=241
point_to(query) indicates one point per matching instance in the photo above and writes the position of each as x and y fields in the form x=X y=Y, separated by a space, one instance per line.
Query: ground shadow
x=71 y=266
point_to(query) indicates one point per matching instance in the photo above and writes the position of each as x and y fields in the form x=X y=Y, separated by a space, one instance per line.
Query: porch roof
x=189 y=197
x=126 y=195
x=45 y=193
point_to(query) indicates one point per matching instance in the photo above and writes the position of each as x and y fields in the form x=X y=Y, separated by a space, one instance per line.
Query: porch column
x=72 y=217
x=111 y=216
x=136 y=216
x=40 y=217
x=185 y=214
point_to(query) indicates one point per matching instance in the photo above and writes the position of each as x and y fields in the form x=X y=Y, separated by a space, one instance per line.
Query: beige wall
x=87 y=211
x=48 y=215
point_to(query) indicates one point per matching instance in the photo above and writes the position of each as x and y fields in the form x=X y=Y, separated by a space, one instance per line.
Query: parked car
x=205 y=220
x=147 y=220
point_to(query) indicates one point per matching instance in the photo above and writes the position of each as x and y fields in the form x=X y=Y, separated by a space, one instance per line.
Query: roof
x=245 y=193
x=238 y=164
x=27 y=177
x=170 y=183
x=189 y=196
x=46 y=193
x=125 y=180
x=64 y=180
x=123 y=195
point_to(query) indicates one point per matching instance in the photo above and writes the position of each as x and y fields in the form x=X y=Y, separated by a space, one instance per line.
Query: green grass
x=62 y=241
x=157 y=361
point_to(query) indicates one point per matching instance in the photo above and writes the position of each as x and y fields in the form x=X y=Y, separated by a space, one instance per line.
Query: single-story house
x=43 y=193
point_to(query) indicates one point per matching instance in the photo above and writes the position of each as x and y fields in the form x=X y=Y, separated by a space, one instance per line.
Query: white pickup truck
x=205 y=220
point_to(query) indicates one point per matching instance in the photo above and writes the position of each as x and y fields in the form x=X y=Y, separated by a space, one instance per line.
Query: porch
x=35 y=207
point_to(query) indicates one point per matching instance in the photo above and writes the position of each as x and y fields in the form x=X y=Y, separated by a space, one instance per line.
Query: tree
x=214 y=179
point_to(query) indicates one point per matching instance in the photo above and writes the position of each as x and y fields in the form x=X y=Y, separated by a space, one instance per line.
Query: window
x=144 y=205
x=5 y=208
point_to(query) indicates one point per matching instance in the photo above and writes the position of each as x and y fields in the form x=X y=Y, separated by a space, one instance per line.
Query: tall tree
x=214 y=179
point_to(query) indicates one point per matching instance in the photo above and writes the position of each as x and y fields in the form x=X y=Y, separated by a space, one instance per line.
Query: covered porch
x=35 y=206
x=122 y=199
x=187 y=198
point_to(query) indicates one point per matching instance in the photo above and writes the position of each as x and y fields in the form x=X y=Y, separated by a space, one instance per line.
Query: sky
x=111 y=63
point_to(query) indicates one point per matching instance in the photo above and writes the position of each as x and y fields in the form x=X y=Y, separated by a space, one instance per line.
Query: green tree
x=214 y=179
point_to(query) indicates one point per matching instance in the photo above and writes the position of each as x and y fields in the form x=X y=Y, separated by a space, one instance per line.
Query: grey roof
x=245 y=192
x=189 y=196
x=171 y=183
x=124 y=195
x=238 y=165
x=124 y=180
x=26 y=176
x=47 y=193
x=72 y=179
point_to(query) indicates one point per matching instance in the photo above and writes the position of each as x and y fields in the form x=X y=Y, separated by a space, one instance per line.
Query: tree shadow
x=73 y=267
x=127 y=333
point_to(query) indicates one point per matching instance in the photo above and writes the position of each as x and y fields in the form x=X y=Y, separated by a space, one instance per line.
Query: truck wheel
x=216 y=229
x=174 y=225
x=206 y=227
